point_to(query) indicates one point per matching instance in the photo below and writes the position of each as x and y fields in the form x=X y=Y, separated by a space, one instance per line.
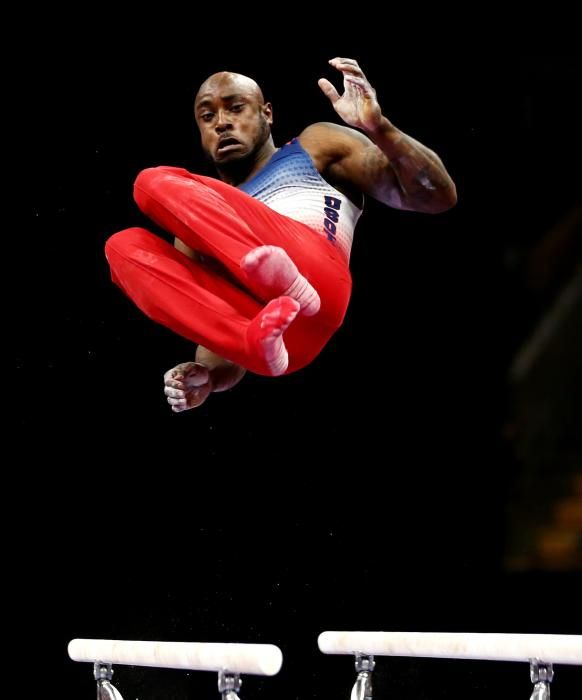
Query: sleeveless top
x=291 y=185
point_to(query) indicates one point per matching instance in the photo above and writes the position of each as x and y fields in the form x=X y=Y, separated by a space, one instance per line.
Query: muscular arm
x=188 y=385
x=223 y=373
x=183 y=248
x=383 y=161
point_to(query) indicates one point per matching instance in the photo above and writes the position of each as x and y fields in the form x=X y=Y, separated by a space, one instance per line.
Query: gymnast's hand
x=187 y=385
x=358 y=106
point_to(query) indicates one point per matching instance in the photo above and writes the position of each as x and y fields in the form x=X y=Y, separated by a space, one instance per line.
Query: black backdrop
x=368 y=491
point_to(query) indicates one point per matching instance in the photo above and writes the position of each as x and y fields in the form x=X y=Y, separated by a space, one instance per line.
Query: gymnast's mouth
x=227 y=144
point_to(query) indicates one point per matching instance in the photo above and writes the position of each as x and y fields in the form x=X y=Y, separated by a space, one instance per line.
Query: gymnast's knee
x=124 y=243
x=153 y=182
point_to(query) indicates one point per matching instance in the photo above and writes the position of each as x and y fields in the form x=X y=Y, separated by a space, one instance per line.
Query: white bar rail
x=551 y=648
x=258 y=659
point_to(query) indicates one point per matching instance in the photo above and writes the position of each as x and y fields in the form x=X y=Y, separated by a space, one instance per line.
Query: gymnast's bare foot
x=266 y=333
x=272 y=273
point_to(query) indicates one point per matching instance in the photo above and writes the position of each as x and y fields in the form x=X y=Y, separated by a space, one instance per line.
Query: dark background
x=374 y=489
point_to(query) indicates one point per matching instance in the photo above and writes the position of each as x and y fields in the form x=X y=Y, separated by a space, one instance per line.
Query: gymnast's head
x=233 y=118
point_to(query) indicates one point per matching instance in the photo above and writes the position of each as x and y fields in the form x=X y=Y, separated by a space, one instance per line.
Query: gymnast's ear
x=267 y=110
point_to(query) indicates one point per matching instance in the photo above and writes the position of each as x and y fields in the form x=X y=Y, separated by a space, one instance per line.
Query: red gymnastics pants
x=200 y=303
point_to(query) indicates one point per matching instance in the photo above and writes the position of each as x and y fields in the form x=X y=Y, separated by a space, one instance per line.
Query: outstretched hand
x=187 y=385
x=358 y=106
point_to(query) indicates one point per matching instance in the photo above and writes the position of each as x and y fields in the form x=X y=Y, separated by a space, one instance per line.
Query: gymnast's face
x=232 y=116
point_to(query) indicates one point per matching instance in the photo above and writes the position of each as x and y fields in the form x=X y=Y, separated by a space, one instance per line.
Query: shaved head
x=235 y=124
x=225 y=80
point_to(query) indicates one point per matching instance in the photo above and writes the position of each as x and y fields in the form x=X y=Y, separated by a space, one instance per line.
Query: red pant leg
x=184 y=296
x=226 y=223
x=199 y=304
